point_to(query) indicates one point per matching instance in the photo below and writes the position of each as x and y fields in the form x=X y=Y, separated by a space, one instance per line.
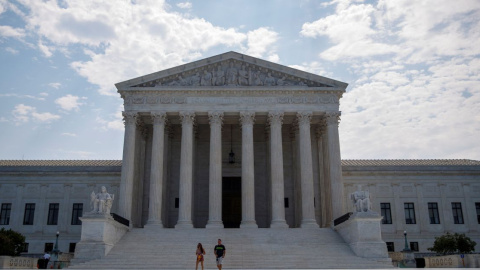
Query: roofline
x=220 y=57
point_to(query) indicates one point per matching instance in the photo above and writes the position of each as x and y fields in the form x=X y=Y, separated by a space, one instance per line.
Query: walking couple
x=219 y=252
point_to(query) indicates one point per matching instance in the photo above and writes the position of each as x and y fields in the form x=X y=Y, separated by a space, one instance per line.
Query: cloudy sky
x=413 y=67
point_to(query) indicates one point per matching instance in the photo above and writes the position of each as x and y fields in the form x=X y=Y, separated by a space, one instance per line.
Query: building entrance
x=231 y=202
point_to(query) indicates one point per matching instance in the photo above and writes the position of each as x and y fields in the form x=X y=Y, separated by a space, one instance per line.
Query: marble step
x=160 y=248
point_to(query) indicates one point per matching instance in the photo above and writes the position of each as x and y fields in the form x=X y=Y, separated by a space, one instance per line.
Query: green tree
x=11 y=242
x=453 y=243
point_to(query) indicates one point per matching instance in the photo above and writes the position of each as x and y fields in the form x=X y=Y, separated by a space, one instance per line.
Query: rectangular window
x=386 y=212
x=457 y=213
x=71 y=247
x=409 y=213
x=76 y=213
x=53 y=214
x=48 y=247
x=29 y=214
x=477 y=205
x=414 y=246
x=433 y=213
x=5 y=213
x=390 y=247
x=285 y=202
x=25 y=247
x=177 y=202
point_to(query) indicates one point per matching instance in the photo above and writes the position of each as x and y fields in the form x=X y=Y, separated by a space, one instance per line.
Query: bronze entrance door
x=231 y=202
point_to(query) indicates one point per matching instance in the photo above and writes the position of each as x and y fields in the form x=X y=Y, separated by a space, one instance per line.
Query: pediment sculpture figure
x=206 y=79
x=361 y=200
x=243 y=77
x=195 y=79
x=269 y=80
x=232 y=75
x=102 y=202
x=219 y=78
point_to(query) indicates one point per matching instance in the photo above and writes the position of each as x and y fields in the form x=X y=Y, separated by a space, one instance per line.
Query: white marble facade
x=182 y=123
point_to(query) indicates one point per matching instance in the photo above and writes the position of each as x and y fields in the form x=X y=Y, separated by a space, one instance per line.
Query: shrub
x=453 y=243
x=11 y=242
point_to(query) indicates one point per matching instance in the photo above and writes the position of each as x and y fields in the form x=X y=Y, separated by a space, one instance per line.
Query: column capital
x=247 y=118
x=304 y=118
x=187 y=117
x=275 y=118
x=332 y=118
x=215 y=117
x=129 y=118
x=158 y=118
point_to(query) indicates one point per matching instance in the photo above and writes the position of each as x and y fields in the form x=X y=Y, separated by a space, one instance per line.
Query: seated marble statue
x=102 y=202
x=361 y=200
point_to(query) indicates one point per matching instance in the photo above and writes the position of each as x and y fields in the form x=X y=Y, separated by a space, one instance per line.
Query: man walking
x=220 y=252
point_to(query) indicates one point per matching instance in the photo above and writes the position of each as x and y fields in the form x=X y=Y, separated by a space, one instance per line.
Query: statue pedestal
x=362 y=232
x=100 y=232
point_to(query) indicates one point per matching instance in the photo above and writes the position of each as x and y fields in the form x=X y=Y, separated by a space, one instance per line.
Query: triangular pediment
x=230 y=69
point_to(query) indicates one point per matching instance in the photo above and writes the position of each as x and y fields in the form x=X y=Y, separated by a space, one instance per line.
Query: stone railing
x=8 y=262
x=342 y=219
x=453 y=261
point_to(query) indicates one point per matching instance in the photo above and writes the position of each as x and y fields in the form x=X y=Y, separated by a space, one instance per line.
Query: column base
x=184 y=225
x=309 y=223
x=281 y=224
x=214 y=225
x=154 y=224
x=248 y=224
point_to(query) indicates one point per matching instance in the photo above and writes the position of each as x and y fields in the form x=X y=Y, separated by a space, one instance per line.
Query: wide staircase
x=157 y=248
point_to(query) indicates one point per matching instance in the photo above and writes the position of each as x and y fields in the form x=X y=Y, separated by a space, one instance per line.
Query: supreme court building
x=231 y=140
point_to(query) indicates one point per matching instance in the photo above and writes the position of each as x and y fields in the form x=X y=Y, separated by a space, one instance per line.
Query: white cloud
x=45 y=117
x=55 y=85
x=260 y=43
x=22 y=96
x=69 y=134
x=23 y=113
x=8 y=31
x=124 y=40
x=70 y=102
x=185 y=5
x=314 y=67
x=115 y=122
x=11 y=50
x=44 y=49
x=416 y=71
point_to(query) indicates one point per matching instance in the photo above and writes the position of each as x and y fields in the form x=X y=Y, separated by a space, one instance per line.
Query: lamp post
x=55 y=250
x=406 y=242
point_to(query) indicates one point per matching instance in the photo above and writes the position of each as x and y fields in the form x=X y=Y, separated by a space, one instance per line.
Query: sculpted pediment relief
x=230 y=70
x=231 y=73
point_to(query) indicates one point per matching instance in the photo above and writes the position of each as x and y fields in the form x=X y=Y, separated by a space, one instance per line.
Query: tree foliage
x=11 y=242
x=453 y=243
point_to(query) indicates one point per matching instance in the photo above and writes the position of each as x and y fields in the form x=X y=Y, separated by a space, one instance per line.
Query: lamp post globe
x=55 y=248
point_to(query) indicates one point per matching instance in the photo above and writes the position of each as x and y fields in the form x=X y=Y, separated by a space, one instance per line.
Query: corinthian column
x=306 y=171
x=128 y=161
x=215 y=181
x=276 y=158
x=156 y=174
x=324 y=174
x=335 y=163
x=248 y=182
x=186 y=171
